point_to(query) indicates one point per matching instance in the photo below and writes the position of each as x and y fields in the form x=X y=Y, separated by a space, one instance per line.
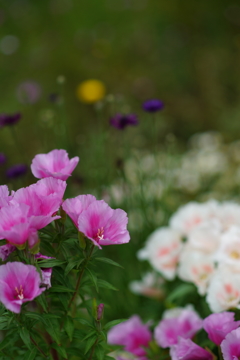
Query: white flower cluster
x=202 y=246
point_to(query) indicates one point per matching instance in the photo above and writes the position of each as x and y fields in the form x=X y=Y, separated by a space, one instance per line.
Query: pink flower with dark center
x=19 y=283
x=186 y=349
x=231 y=345
x=219 y=325
x=132 y=334
x=55 y=164
x=46 y=272
x=184 y=323
x=4 y=196
x=6 y=250
x=103 y=225
x=75 y=206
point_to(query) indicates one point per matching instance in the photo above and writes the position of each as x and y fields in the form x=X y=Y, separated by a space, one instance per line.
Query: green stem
x=93 y=349
x=39 y=349
x=220 y=353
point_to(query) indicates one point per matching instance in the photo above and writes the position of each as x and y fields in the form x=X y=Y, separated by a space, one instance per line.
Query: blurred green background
x=186 y=53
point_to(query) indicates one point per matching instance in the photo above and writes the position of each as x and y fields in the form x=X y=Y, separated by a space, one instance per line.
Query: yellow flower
x=91 y=91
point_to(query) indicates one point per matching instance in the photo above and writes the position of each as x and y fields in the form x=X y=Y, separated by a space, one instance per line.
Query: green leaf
x=93 y=277
x=24 y=334
x=36 y=316
x=42 y=301
x=71 y=265
x=84 y=322
x=31 y=354
x=89 y=343
x=108 y=261
x=53 y=329
x=113 y=323
x=99 y=352
x=50 y=263
x=69 y=327
x=9 y=340
x=60 y=288
x=74 y=351
x=106 y=285
x=91 y=333
x=59 y=349
x=181 y=290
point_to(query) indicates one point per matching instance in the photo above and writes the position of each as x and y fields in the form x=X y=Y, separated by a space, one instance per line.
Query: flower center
x=20 y=292
x=235 y=255
x=100 y=233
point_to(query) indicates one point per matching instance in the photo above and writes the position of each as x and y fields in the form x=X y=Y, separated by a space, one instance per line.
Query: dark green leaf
x=53 y=329
x=71 y=265
x=42 y=301
x=30 y=355
x=36 y=316
x=50 y=263
x=9 y=340
x=91 y=333
x=59 y=349
x=113 y=323
x=92 y=277
x=69 y=327
x=74 y=351
x=84 y=322
x=108 y=261
x=60 y=288
x=106 y=285
x=99 y=352
x=25 y=336
x=181 y=290
x=89 y=343
x=78 y=334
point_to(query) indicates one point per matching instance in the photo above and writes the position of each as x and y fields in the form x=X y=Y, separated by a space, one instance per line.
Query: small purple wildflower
x=120 y=121
x=153 y=105
x=16 y=171
x=2 y=158
x=8 y=120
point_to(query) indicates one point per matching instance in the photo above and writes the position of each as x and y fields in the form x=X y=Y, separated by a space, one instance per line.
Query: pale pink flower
x=19 y=283
x=6 y=250
x=132 y=334
x=206 y=236
x=229 y=214
x=185 y=323
x=75 y=206
x=192 y=215
x=4 y=196
x=56 y=163
x=162 y=250
x=103 y=225
x=229 y=249
x=219 y=325
x=231 y=345
x=150 y=286
x=186 y=349
x=224 y=290
x=46 y=273
x=197 y=267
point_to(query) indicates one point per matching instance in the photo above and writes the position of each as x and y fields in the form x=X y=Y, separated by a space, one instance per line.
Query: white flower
x=196 y=267
x=148 y=286
x=193 y=214
x=229 y=250
x=162 y=250
x=229 y=214
x=224 y=290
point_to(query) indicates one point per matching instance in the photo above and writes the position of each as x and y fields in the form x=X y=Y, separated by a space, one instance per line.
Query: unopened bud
x=100 y=311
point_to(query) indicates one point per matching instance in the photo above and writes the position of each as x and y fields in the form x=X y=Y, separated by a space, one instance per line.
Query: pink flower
x=6 y=250
x=46 y=273
x=19 y=283
x=4 y=196
x=219 y=325
x=230 y=346
x=132 y=334
x=44 y=198
x=188 y=350
x=56 y=163
x=103 y=225
x=182 y=322
x=75 y=206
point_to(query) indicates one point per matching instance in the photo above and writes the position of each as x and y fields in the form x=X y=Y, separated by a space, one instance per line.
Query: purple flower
x=55 y=164
x=120 y=121
x=153 y=105
x=6 y=119
x=6 y=250
x=188 y=350
x=28 y=92
x=4 y=196
x=230 y=346
x=2 y=158
x=219 y=325
x=132 y=334
x=46 y=272
x=16 y=171
x=19 y=283
x=183 y=322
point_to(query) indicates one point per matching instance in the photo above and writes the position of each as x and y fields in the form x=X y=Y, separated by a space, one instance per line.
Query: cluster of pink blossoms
x=24 y=212
x=176 y=331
